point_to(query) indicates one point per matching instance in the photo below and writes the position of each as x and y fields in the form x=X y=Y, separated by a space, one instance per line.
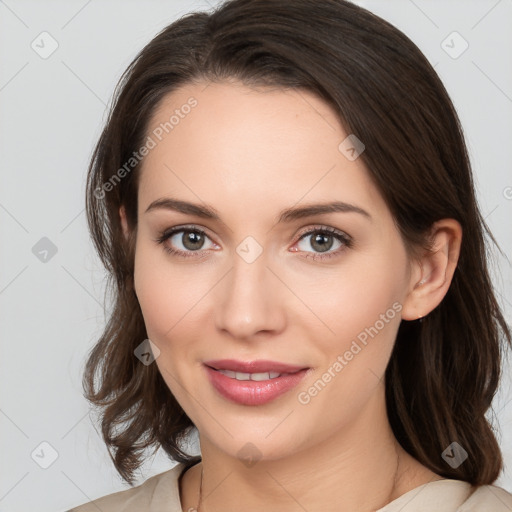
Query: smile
x=251 y=376
x=252 y=388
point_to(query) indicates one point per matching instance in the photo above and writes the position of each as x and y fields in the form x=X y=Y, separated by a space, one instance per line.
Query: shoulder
x=449 y=495
x=158 y=493
x=487 y=498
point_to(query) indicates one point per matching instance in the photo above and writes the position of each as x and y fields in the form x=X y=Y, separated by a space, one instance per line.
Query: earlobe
x=435 y=270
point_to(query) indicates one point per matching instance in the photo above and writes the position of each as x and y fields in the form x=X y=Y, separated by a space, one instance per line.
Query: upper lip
x=260 y=366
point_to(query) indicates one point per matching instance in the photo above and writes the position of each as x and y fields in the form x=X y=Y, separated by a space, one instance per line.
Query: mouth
x=258 y=377
x=253 y=383
x=253 y=367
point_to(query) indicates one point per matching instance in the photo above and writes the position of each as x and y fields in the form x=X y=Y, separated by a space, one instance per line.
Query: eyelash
x=340 y=236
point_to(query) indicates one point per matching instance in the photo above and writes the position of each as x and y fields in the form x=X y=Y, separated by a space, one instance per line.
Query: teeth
x=250 y=376
x=264 y=376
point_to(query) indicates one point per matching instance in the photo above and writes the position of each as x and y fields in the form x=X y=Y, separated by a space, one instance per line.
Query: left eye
x=322 y=240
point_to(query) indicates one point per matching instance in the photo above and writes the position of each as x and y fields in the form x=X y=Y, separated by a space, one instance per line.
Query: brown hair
x=443 y=371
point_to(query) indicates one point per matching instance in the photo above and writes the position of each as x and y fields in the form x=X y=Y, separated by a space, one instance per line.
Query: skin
x=249 y=154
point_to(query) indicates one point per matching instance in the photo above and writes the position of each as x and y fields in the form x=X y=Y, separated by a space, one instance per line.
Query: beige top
x=160 y=493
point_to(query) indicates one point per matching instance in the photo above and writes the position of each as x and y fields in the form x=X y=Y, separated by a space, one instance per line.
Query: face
x=320 y=291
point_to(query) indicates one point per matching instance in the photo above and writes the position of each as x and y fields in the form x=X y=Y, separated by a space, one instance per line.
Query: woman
x=283 y=198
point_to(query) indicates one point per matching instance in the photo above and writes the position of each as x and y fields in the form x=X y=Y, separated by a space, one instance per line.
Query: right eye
x=191 y=240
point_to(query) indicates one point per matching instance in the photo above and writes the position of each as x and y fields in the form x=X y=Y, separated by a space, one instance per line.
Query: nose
x=251 y=299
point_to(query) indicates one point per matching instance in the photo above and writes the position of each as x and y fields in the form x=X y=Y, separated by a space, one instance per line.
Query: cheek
x=361 y=296
x=355 y=357
x=151 y=291
x=365 y=327
x=361 y=306
x=164 y=299
x=158 y=302
x=173 y=303
x=164 y=291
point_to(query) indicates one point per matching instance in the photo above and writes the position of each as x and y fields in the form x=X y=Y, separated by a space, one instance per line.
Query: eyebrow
x=287 y=215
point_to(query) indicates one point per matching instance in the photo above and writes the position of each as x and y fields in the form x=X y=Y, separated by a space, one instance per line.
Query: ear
x=124 y=222
x=432 y=275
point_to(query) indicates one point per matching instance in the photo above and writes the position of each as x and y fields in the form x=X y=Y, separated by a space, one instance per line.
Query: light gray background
x=52 y=111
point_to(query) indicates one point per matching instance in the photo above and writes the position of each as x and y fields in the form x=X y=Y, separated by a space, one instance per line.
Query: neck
x=362 y=468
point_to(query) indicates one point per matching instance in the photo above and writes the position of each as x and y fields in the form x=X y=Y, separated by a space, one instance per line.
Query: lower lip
x=251 y=392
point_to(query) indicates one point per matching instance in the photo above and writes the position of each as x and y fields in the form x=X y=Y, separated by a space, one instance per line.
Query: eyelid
x=324 y=228
x=187 y=227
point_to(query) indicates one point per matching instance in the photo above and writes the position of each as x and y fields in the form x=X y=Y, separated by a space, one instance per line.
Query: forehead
x=251 y=147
